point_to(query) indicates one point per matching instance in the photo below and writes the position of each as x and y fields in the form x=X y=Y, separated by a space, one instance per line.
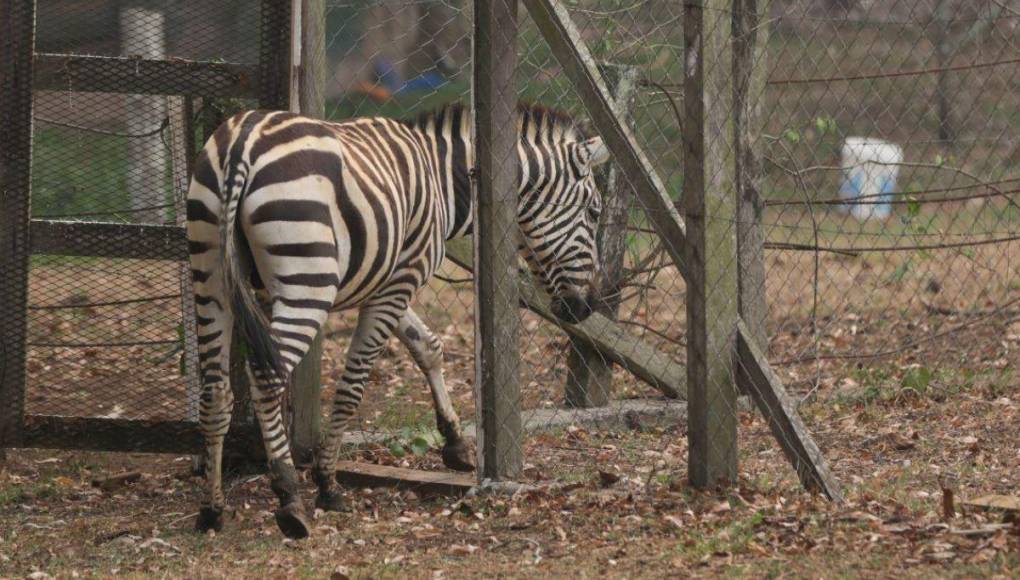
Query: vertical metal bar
x=749 y=37
x=589 y=371
x=17 y=44
x=306 y=385
x=180 y=135
x=497 y=297
x=709 y=204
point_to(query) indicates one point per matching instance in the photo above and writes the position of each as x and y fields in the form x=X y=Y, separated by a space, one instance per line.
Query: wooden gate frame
x=703 y=244
x=22 y=71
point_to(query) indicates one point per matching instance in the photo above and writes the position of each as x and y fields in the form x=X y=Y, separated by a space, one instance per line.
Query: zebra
x=290 y=218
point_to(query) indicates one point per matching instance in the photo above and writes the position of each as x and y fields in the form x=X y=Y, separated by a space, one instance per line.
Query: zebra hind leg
x=216 y=401
x=427 y=351
x=375 y=326
x=292 y=329
x=267 y=393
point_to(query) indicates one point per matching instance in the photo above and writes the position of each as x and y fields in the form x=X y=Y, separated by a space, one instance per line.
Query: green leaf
x=825 y=125
x=396 y=449
x=792 y=135
x=900 y=272
x=419 y=446
x=917 y=379
x=913 y=207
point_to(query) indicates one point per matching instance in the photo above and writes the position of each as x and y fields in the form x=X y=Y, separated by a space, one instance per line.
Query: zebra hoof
x=457 y=456
x=293 y=522
x=331 y=502
x=209 y=519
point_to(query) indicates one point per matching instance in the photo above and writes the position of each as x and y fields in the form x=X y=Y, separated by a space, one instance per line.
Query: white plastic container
x=870 y=167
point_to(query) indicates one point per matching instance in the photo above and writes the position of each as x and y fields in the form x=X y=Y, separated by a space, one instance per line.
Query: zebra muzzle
x=571 y=308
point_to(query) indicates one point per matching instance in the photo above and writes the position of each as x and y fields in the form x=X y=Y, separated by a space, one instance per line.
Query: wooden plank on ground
x=553 y=21
x=780 y=411
x=657 y=369
x=423 y=482
x=1009 y=503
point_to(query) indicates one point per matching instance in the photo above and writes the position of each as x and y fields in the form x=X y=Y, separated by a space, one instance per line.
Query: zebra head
x=559 y=215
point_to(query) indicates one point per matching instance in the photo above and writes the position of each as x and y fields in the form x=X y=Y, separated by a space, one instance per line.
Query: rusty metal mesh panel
x=110 y=340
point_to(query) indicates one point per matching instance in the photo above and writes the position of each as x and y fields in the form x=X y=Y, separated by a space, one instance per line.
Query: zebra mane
x=562 y=122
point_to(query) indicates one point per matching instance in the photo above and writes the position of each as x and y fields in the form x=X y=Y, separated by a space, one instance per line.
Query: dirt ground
x=938 y=408
x=606 y=503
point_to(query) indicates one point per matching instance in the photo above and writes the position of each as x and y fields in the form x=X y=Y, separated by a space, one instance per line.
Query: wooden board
x=494 y=190
x=109 y=240
x=780 y=411
x=136 y=76
x=709 y=207
x=995 y=502
x=356 y=474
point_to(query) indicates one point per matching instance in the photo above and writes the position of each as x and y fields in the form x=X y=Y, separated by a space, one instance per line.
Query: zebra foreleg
x=376 y=323
x=427 y=351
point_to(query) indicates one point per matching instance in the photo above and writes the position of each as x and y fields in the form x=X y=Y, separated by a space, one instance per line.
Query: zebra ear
x=595 y=151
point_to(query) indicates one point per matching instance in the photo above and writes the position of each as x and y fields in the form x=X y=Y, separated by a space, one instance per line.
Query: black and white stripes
x=290 y=218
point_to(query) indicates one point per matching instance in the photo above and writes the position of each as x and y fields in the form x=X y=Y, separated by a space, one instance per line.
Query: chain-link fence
x=873 y=266
x=877 y=174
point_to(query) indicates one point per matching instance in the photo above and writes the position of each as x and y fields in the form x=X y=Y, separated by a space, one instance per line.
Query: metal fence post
x=17 y=38
x=497 y=296
x=709 y=204
x=306 y=385
x=589 y=371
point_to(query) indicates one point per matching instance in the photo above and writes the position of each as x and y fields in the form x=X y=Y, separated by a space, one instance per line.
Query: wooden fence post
x=497 y=297
x=17 y=37
x=709 y=204
x=306 y=385
x=589 y=372
x=749 y=38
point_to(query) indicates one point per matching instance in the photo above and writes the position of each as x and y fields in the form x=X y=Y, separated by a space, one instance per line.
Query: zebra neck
x=455 y=151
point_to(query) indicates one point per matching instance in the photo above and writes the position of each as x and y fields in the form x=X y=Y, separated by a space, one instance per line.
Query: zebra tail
x=236 y=261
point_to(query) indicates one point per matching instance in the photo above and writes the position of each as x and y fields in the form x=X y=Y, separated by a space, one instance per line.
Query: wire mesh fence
x=864 y=278
x=886 y=139
x=118 y=96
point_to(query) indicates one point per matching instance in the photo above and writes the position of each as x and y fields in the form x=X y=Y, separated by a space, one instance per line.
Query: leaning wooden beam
x=558 y=29
x=781 y=413
x=642 y=360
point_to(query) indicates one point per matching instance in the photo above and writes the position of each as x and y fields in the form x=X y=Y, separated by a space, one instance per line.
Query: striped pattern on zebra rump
x=290 y=218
